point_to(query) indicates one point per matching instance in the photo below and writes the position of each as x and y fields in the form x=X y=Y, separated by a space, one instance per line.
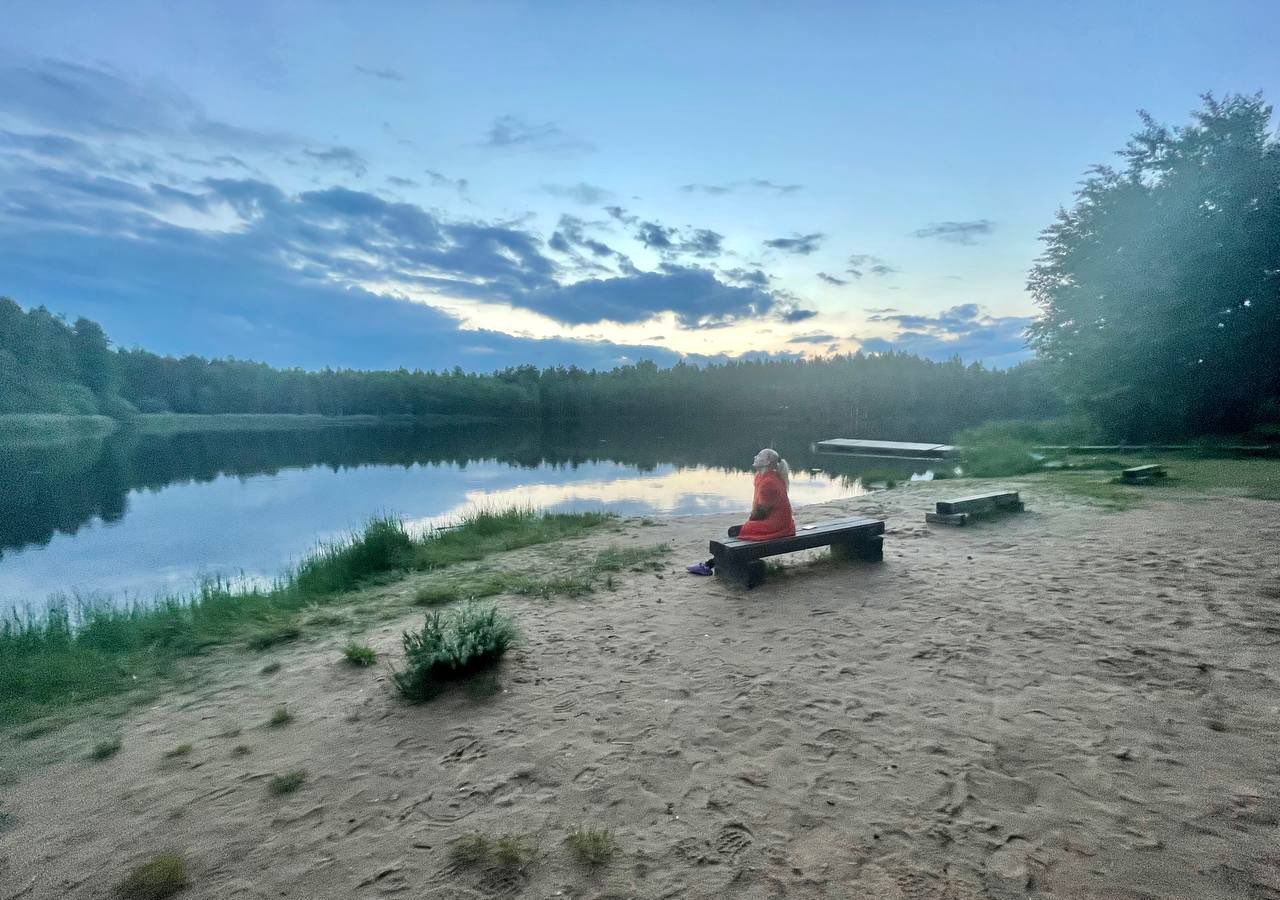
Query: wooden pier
x=884 y=449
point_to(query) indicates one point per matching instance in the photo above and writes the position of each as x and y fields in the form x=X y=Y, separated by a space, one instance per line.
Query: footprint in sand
x=467 y=748
x=734 y=838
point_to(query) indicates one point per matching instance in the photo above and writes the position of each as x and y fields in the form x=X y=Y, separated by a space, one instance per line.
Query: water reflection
x=134 y=515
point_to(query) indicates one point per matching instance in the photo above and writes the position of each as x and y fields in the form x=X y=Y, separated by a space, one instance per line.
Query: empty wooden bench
x=741 y=563
x=1142 y=474
x=958 y=512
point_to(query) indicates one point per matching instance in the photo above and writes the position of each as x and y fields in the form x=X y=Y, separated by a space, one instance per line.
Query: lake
x=134 y=516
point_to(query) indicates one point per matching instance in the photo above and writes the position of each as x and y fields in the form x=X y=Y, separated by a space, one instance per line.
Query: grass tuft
x=281 y=716
x=287 y=783
x=452 y=645
x=7 y=822
x=268 y=638
x=472 y=849
x=592 y=846
x=507 y=851
x=358 y=654
x=241 y=750
x=106 y=749
x=270 y=668
x=163 y=876
x=180 y=750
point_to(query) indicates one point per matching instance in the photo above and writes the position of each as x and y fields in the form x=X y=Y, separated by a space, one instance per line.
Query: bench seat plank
x=980 y=503
x=835 y=532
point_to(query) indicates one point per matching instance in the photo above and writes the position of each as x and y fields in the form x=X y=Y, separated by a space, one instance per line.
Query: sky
x=574 y=183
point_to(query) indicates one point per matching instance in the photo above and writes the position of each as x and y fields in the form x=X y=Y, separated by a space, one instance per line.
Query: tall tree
x=1160 y=290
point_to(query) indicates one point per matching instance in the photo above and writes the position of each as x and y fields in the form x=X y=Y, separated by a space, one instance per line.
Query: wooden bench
x=958 y=512
x=1143 y=474
x=741 y=563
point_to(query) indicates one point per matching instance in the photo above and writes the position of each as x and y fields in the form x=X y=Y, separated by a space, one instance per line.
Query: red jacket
x=771 y=494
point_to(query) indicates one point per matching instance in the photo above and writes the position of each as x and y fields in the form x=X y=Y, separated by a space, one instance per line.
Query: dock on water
x=885 y=449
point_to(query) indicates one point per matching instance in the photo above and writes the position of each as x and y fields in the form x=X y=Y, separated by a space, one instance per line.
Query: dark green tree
x=1159 y=290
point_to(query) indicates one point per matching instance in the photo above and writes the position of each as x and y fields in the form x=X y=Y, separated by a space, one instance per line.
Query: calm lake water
x=136 y=516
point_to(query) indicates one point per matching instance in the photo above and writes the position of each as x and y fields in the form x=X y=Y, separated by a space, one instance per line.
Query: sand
x=1065 y=703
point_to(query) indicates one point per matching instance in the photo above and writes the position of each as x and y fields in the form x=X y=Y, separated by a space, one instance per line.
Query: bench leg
x=743 y=575
x=868 y=549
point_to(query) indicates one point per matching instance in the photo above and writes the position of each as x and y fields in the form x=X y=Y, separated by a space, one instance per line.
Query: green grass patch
x=280 y=716
x=241 y=750
x=77 y=653
x=508 y=851
x=451 y=645
x=360 y=655
x=7 y=822
x=270 y=637
x=180 y=750
x=287 y=783
x=106 y=749
x=592 y=847
x=163 y=876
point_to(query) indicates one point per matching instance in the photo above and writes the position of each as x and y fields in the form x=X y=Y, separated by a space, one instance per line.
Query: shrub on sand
x=451 y=645
x=163 y=876
x=592 y=846
x=287 y=783
x=360 y=655
x=106 y=749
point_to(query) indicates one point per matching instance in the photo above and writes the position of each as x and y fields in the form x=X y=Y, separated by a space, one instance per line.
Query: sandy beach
x=1070 y=702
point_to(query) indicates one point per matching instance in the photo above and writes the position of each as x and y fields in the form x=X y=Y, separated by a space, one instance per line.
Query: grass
x=287 y=783
x=270 y=668
x=281 y=716
x=270 y=637
x=106 y=749
x=1094 y=479
x=504 y=851
x=592 y=847
x=452 y=645
x=163 y=876
x=72 y=654
x=360 y=655
x=241 y=750
x=7 y=822
x=180 y=750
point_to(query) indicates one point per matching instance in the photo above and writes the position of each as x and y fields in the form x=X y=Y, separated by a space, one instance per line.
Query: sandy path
x=1067 y=703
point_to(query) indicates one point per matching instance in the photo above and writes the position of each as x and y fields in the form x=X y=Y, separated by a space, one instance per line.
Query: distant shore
x=46 y=428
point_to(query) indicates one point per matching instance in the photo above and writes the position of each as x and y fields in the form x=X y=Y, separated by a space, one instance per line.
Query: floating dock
x=884 y=449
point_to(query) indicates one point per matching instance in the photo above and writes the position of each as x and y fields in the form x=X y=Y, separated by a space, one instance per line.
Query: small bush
x=180 y=750
x=281 y=716
x=163 y=876
x=593 y=846
x=359 y=654
x=106 y=749
x=264 y=640
x=512 y=850
x=287 y=783
x=471 y=849
x=270 y=668
x=452 y=645
x=241 y=750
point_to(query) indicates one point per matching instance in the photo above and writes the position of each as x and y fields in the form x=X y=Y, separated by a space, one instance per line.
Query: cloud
x=699 y=242
x=746 y=276
x=383 y=74
x=956 y=232
x=801 y=244
x=831 y=279
x=798 y=315
x=617 y=212
x=965 y=331
x=717 y=190
x=101 y=101
x=861 y=263
x=342 y=158
x=441 y=181
x=548 y=137
x=695 y=295
x=397 y=181
x=814 y=338
x=583 y=193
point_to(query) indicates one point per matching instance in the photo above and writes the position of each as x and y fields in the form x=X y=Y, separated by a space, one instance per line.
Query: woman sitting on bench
x=770 y=507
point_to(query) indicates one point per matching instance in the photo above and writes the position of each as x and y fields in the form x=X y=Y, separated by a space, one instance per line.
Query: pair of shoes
x=701 y=569
x=735 y=530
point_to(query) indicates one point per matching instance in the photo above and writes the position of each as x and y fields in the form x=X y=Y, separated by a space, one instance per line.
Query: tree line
x=50 y=365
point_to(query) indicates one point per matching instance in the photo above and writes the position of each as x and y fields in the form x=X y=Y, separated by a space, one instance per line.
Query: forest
x=1159 y=297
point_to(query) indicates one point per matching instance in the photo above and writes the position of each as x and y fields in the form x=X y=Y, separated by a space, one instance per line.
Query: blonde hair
x=774 y=460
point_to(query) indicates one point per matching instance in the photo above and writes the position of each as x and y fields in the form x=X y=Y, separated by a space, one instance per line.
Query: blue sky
x=430 y=185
